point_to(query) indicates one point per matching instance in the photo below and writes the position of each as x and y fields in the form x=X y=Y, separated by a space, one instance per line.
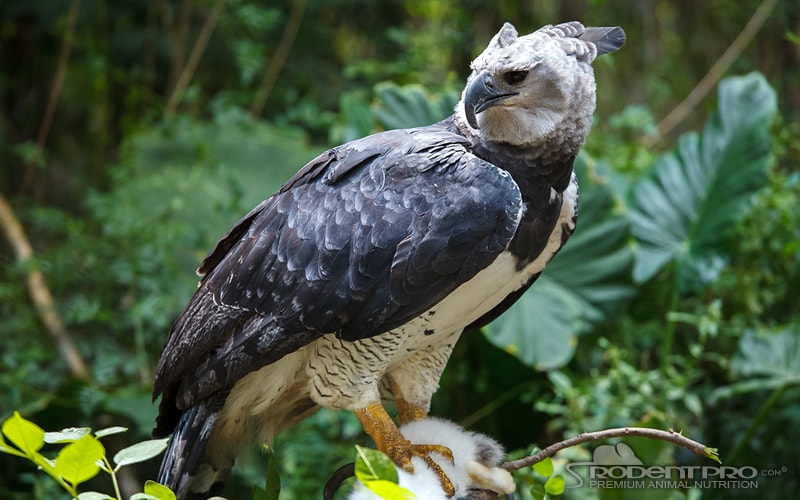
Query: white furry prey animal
x=473 y=472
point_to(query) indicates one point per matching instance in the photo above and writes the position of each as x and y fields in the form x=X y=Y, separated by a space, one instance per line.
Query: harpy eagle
x=353 y=282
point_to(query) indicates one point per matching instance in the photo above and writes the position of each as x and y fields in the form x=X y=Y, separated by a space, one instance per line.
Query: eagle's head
x=538 y=89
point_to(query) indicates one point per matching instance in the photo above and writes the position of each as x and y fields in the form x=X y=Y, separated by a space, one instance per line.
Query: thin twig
x=279 y=58
x=40 y=294
x=194 y=58
x=55 y=90
x=717 y=71
x=670 y=436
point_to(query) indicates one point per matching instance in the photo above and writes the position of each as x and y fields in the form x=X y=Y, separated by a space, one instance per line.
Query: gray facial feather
x=547 y=111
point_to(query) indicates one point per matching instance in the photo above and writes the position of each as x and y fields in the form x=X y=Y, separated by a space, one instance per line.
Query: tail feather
x=181 y=467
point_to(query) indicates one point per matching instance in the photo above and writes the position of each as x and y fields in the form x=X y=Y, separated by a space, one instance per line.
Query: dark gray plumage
x=362 y=271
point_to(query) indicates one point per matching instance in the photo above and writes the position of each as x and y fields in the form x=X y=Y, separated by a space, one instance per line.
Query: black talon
x=341 y=475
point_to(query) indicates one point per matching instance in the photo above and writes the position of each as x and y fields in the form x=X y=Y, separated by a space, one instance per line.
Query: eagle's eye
x=515 y=77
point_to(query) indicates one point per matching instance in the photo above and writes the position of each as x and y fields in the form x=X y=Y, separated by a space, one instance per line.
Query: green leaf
x=66 y=435
x=537 y=492
x=77 y=462
x=372 y=465
x=272 y=484
x=28 y=438
x=577 y=289
x=158 y=490
x=544 y=468
x=388 y=490
x=357 y=116
x=7 y=448
x=411 y=105
x=685 y=208
x=775 y=354
x=377 y=473
x=94 y=495
x=110 y=430
x=260 y=493
x=764 y=362
x=539 y=330
x=554 y=485
x=749 y=385
x=712 y=453
x=140 y=452
x=23 y=434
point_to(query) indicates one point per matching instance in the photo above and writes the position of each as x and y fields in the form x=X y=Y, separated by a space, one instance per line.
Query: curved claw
x=401 y=455
x=447 y=484
x=424 y=451
x=335 y=482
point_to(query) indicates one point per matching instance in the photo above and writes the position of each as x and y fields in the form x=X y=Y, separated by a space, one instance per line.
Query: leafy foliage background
x=674 y=304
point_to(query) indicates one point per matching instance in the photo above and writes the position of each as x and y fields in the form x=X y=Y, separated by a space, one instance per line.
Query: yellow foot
x=388 y=439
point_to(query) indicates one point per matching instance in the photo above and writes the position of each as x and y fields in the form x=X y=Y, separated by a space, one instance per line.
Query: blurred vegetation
x=133 y=134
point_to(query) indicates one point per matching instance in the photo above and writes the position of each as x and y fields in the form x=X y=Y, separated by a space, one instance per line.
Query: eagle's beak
x=482 y=93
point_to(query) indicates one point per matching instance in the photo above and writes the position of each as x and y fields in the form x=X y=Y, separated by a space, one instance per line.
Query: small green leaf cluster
x=82 y=457
x=547 y=483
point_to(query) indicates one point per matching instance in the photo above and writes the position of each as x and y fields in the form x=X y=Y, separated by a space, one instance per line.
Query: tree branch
x=716 y=72
x=194 y=58
x=279 y=58
x=40 y=294
x=670 y=436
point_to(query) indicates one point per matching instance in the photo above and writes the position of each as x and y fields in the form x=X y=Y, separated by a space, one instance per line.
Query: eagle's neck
x=550 y=160
x=554 y=171
x=543 y=180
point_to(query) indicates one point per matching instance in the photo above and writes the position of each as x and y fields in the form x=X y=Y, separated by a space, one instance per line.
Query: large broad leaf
x=411 y=106
x=395 y=107
x=685 y=208
x=590 y=273
x=764 y=362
